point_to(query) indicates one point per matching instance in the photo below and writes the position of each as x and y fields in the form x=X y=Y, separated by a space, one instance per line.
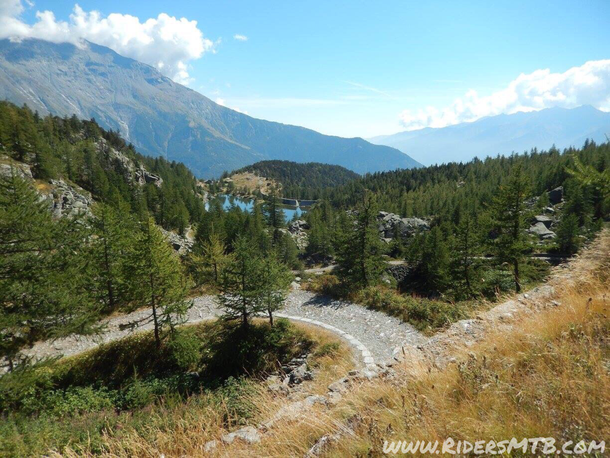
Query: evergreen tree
x=465 y=251
x=360 y=248
x=274 y=215
x=275 y=283
x=434 y=263
x=114 y=231
x=509 y=222
x=42 y=291
x=241 y=284
x=157 y=280
x=567 y=234
x=214 y=255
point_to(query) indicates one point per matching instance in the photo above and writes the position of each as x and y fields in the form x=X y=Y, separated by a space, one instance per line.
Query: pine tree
x=360 y=248
x=466 y=248
x=214 y=255
x=157 y=280
x=567 y=234
x=275 y=283
x=242 y=285
x=114 y=231
x=274 y=215
x=42 y=291
x=434 y=263
x=509 y=222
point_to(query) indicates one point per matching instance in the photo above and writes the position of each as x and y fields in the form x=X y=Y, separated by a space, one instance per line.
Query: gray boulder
x=541 y=231
x=544 y=219
x=556 y=195
x=390 y=225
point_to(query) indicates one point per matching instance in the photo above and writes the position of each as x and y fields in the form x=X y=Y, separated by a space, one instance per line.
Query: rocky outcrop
x=66 y=200
x=390 y=225
x=8 y=167
x=133 y=173
x=297 y=230
x=182 y=244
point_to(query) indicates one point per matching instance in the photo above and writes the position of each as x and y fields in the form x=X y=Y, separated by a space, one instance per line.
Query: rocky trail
x=371 y=334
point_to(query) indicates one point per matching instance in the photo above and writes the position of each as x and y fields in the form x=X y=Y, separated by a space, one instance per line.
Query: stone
x=556 y=195
x=210 y=446
x=541 y=231
x=340 y=386
x=247 y=434
x=546 y=220
x=316 y=399
x=391 y=225
x=300 y=374
x=322 y=444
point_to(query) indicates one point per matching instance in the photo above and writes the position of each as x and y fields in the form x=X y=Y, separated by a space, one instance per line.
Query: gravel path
x=377 y=332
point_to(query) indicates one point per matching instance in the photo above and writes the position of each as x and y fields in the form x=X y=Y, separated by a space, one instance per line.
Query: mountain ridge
x=502 y=134
x=162 y=118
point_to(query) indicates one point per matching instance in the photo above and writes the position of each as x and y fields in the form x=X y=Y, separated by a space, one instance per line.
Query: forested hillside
x=302 y=181
x=445 y=189
x=102 y=163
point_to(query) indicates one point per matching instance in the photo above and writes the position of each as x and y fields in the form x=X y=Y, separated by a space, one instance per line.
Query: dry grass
x=252 y=183
x=183 y=430
x=546 y=376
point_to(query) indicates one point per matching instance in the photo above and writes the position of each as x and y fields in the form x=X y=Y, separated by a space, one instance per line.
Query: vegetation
x=128 y=390
x=308 y=180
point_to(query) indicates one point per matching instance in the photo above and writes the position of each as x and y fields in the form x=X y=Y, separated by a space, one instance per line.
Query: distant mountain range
x=163 y=118
x=502 y=134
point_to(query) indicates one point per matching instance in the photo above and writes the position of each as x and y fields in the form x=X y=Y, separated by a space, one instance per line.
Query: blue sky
x=353 y=68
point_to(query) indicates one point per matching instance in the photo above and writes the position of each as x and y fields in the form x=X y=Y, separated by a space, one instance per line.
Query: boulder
x=544 y=219
x=247 y=434
x=556 y=195
x=541 y=231
x=390 y=225
x=20 y=169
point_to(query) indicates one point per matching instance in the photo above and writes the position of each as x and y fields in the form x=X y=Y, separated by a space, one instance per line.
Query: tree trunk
x=516 y=273
x=154 y=311
x=270 y=317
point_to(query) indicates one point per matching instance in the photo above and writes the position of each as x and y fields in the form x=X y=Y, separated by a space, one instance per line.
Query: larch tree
x=43 y=293
x=360 y=249
x=158 y=280
x=509 y=214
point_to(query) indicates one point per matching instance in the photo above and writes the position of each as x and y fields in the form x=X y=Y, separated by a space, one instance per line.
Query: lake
x=247 y=205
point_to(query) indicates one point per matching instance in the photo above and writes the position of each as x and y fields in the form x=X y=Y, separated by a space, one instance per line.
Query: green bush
x=185 y=350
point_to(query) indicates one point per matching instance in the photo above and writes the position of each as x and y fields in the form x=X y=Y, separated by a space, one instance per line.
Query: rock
x=210 y=446
x=180 y=243
x=546 y=220
x=248 y=434
x=20 y=169
x=399 y=272
x=68 y=201
x=316 y=399
x=541 y=231
x=297 y=229
x=340 y=386
x=333 y=398
x=322 y=444
x=300 y=374
x=556 y=195
x=391 y=225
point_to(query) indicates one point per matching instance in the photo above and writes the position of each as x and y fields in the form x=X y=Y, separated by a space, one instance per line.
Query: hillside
x=77 y=160
x=298 y=181
x=502 y=134
x=163 y=118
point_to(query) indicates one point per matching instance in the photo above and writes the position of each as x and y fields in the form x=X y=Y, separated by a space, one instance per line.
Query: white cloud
x=222 y=102
x=588 y=84
x=165 y=42
x=239 y=37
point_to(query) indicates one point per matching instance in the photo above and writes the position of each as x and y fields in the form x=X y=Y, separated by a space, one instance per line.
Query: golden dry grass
x=185 y=429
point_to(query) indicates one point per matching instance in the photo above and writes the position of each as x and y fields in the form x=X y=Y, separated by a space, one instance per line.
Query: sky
x=351 y=68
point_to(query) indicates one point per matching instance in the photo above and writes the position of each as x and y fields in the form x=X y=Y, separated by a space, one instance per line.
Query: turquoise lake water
x=247 y=204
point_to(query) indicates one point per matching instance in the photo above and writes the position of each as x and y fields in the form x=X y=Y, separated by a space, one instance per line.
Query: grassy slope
x=86 y=422
x=544 y=376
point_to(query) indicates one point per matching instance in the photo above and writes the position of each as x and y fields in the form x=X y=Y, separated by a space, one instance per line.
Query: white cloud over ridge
x=588 y=84
x=165 y=42
x=240 y=37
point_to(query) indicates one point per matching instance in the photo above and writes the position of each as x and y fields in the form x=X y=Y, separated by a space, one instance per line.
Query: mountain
x=163 y=118
x=300 y=181
x=502 y=134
